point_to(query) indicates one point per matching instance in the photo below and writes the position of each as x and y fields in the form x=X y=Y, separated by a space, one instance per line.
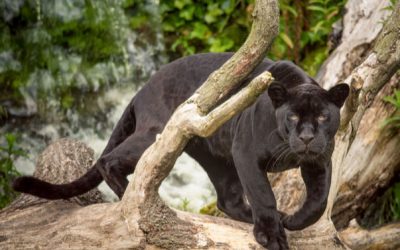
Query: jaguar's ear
x=338 y=94
x=278 y=94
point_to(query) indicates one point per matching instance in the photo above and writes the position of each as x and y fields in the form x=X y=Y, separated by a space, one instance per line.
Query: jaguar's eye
x=294 y=118
x=322 y=118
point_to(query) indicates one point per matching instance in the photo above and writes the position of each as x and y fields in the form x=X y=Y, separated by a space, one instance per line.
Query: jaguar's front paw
x=271 y=236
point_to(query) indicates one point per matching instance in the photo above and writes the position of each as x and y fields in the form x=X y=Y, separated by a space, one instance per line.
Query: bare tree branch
x=205 y=126
x=234 y=71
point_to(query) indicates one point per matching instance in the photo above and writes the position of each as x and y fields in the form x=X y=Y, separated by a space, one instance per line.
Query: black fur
x=34 y=186
x=291 y=125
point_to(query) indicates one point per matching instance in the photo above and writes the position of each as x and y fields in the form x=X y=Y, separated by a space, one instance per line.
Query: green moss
x=393 y=122
x=313 y=60
x=8 y=152
x=212 y=209
x=385 y=209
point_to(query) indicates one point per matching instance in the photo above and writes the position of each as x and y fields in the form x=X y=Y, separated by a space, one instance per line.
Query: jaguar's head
x=308 y=116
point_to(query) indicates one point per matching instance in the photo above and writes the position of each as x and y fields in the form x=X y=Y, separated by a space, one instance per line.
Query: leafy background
x=218 y=26
x=67 y=50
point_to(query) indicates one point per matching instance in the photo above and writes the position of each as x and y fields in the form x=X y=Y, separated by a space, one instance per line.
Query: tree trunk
x=370 y=158
x=366 y=156
x=141 y=220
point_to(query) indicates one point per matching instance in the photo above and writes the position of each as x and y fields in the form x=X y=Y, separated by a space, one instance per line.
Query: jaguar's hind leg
x=124 y=128
x=230 y=195
x=231 y=199
x=121 y=161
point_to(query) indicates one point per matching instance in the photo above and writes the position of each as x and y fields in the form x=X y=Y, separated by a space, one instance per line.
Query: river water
x=186 y=187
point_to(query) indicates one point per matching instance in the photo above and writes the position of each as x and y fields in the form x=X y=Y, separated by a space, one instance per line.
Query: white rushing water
x=187 y=186
x=187 y=182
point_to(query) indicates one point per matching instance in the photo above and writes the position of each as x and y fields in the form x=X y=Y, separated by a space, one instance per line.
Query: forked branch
x=153 y=168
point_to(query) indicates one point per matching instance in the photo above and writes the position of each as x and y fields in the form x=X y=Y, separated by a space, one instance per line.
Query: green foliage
x=56 y=50
x=50 y=31
x=142 y=18
x=389 y=209
x=304 y=31
x=384 y=209
x=184 y=206
x=8 y=152
x=391 y=6
x=394 y=121
x=205 y=26
x=395 y=204
x=217 y=26
x=212 y=209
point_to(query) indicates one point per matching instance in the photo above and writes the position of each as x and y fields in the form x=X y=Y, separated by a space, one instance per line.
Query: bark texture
x=361 y=25
x=385 y=237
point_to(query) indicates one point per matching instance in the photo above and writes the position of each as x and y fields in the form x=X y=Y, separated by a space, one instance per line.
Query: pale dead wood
x=364 y=153
x=371 y=162
x=385 y=237
x=362 y=23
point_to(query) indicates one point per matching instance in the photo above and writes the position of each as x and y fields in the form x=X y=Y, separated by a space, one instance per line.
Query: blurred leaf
x=289 y=8
x=200 y=31
x=228 y=6
x=317 y=8
x=221 y=44
x=182 y=3
x=188 y=12
x=287 y=40
x=67 y=101
x=394 y=100
x=213 y=14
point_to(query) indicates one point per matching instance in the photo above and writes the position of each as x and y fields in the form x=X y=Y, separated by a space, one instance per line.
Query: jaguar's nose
x=306 y=137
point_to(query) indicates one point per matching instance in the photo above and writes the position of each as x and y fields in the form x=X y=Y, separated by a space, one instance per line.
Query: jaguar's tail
x=43 y=189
